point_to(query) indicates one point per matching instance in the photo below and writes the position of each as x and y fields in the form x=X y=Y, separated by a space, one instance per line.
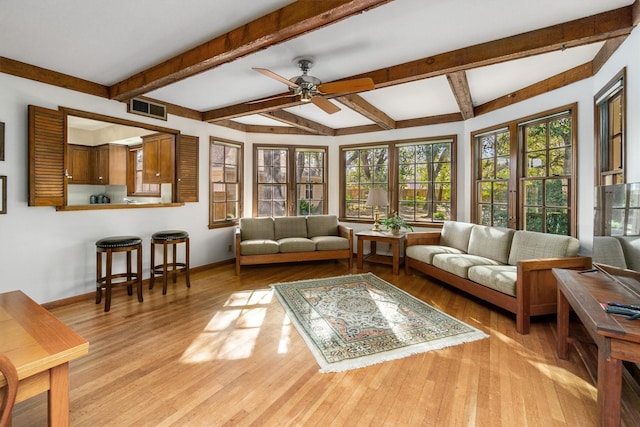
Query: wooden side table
x=617 y=338
x=396 y=241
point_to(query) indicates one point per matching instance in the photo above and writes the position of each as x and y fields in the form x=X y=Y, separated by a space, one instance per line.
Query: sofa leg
x=523 y=324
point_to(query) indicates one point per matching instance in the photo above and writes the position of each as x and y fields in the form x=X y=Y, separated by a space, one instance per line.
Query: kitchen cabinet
x=158 y=158
x=110 y=165
x=79 y=164
x=54 y=163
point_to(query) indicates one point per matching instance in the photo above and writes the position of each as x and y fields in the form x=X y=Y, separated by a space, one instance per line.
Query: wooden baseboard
x=145 y=282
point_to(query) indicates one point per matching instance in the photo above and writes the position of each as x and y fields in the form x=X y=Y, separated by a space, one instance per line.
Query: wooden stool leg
x=107 y=282
x=129 y=273
x=139 y=272
x=186 y=263
x=174 y=273
x=98 y=277
x=153 y=264
x=164 y=267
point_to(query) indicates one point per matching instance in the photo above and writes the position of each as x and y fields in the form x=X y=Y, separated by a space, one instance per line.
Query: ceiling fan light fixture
x=306 y=95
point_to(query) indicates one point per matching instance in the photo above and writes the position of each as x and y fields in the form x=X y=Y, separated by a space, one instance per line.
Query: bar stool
x=109 y=246
x=166 y=238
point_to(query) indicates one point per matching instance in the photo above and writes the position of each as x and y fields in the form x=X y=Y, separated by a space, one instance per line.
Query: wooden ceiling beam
x=568 y=77
x=462 y=93
x=290 y=21
x=592 y=29
x=43 y=75
x=360 y=105
x=596 y=28
x=299 y=122
x=605 y=52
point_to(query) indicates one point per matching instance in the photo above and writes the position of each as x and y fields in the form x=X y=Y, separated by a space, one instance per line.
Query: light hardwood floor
x=223 y=353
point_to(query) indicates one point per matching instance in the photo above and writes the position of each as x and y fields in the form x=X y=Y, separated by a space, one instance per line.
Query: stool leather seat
x=166 y=238
x=170 y=235
x=109 y=246
x=118 y=241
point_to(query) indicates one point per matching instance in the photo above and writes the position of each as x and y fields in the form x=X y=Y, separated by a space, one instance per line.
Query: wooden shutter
x=46 y=157
x=187 y=168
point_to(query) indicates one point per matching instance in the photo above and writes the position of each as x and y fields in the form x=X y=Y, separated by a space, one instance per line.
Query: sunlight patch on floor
x=232 y=332
x=285 y=336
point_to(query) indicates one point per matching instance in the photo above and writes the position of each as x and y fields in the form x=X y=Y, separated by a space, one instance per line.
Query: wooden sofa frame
x=536 y=286
x=343 y=231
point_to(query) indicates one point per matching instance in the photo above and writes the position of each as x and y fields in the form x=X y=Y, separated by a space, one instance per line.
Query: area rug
x=359 y=320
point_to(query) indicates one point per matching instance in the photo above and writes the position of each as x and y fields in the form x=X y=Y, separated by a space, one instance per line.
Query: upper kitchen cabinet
x=87 y=150
x=80 y=162
x=158 y=158
x=111 y=165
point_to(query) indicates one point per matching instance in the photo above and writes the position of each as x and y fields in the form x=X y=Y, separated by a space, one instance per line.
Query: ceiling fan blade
x=277 y=77
x=355 y=85
x=257 y=101
x=325 y=105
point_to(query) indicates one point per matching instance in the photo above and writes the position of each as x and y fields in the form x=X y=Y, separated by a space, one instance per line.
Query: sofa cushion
x=257 y=229
x=330 y=243
x=631 y=249
x=456 y=235
x=259 y=247
x=501 y=278
x=290 y=226
x=532 y=245
x=459 y=264
x=296 y=244
x=322 y=225
x=608 y=250
x=491 y=242
x=425 y=253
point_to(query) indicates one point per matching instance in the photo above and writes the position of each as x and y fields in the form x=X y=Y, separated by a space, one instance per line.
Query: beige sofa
x=267 y=240
x=617 y=251
x=508 y=268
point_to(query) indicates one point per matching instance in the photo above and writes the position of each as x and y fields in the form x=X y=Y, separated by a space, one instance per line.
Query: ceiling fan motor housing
x=307 y=87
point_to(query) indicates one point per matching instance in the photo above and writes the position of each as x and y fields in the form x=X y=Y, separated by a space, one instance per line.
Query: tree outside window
x=547 y=181
x=492 y=180
x=425 y=181
x=418 y=176
x=536 y=193
x=364 y=169
x=290 y=181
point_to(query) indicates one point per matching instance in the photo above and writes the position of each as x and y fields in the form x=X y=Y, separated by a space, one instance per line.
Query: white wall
x=50 y=255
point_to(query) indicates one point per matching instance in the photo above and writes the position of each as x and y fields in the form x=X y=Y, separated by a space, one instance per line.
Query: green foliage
x=395 y=222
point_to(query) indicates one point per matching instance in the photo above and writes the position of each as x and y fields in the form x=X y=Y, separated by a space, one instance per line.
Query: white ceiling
x=107 y=42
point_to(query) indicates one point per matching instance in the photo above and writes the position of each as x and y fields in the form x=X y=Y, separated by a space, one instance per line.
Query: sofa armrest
x=423 y=238
x=347 y=233
x=536 y=282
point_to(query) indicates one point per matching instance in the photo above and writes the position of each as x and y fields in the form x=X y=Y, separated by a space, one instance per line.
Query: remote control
x=621 y=305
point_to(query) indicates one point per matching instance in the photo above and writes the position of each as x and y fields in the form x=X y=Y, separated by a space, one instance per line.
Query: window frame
x=132 y=174
x=393 y=178
x=616 y=86
x=516 y=192
x=293 y=199
x=240 y=183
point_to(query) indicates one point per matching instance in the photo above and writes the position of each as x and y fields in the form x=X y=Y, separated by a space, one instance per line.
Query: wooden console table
x=40 y=346
x=617 y=339
x=395 y=240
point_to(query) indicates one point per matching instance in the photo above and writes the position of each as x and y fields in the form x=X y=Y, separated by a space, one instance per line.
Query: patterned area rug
x=359 y=320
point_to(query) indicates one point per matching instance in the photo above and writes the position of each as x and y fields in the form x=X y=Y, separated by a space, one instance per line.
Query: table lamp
x=377 y=198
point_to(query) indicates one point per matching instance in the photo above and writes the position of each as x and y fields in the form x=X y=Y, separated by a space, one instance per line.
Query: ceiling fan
x=311 y=89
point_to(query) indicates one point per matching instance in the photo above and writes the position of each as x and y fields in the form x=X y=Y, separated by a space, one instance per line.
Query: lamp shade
x=377 y=197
